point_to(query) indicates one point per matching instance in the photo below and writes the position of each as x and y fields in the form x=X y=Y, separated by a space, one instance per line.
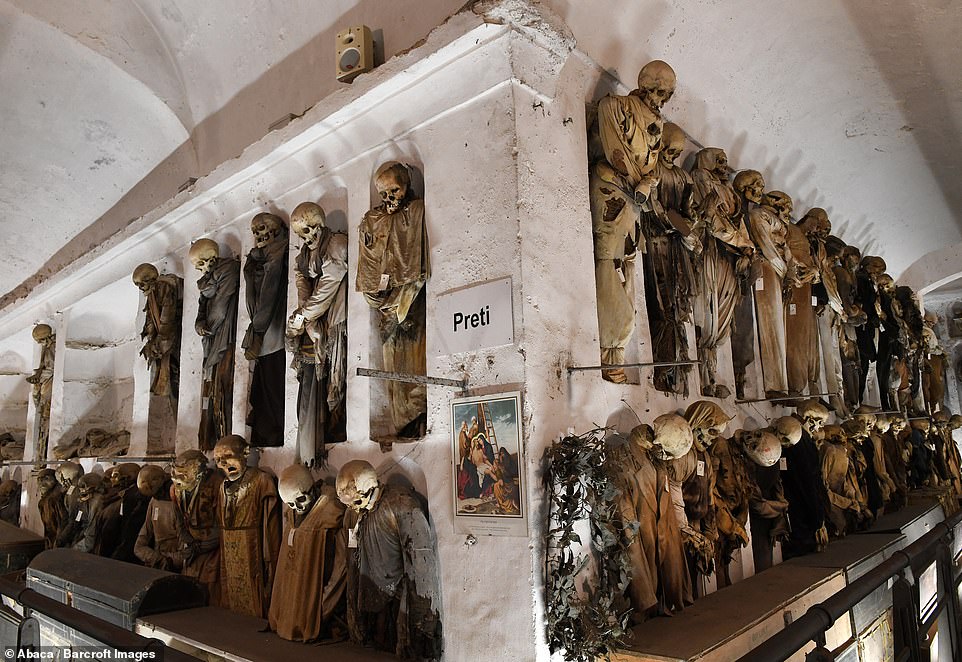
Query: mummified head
x=673 y=437
x=358 y=486
x=90 y=484
x=203 y=254
x=708 y=422
x=69 y=473
x=814 y=415
x=656 y=84
x=230 y=454
x=788 y=429
x=750 y=184
x=266 y=227
x=762 y=447
x=188 y=470
x=779 y=201
x=308 y=222
x=296 y=487
x=150 y=480
x=392 y=181
x=145 y=277
x=42 y=333
x=816 y=224
x=672 y=143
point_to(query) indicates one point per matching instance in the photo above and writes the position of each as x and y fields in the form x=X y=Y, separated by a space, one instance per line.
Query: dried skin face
x=898 y=424
x=46 y=481
x=672 y=144
x=780 y=202
x=188 y=471
x=392 y=189
x=88 y=485
x=721 y=169
x=69 y=473
x=751 y=185
x=231 y=463
x=265 y=228
x=145 y=277
x=886 y=284
x=656 y=83
x=150 y=479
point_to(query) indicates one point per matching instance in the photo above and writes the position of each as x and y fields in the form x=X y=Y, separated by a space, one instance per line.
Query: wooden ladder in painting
x=484 y=413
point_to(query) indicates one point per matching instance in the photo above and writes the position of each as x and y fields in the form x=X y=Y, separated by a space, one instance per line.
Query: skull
x=673 y=437
x=898 y=423
x=707 y=420
x=69 y=473
x=672 y=144
x=886 y=284
x=816 y=224
x=230 y=454
x=780 y=202
x=850 y=257
x=357 y=485
x=715 y=161
x=882 y=423
x=308 y=223
x=656 y=84
x=930 y=319
x=955 y=422
x=814 y=415
x=203 y=255
x=874 y=265
x=266 y=227
x=90 y=484
x=392 y=181
x=46 y=481
x=940 y=419
x=834 y=434
x=42 y=333
x=188 y=470
x=865 y=419
x=145 y=277
x=762 y=447
x=921 y=424
x=788 y=429
x=296 y=487
x=151 y=480
x=750 y=184
x=124 y=475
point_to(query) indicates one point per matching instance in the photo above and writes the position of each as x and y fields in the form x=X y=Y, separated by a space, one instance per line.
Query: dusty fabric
x=866 y=297
x=394 y=248
x=768 y=508
x=805 y=492
x=829 y=328
x=697 y=489
x=88 y=524
x=198 y=514
x=848 y=344
x=42 y=394
x=311 y=571
x=801 y=327
x=896 y=456
x=886 y=483
x=53 y=513
x=732 y=489
x=659 y=575
x=743 y=337
x=321 y=350
x=158 y=544
x=393 y=591
x=131 y=513
x=217 y=322
x=869 y=485
x=844 y=498
x=161 y=335
x=725 y=239
x=933 y=372
x=630 y=135
x=669 y=274
x=265 y=417
x=250 y=540
x=768 y=232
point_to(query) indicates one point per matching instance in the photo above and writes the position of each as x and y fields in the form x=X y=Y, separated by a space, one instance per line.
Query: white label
x=759 y=284
x=621 y=274
x=791 y=309
x=290 y=538
x=385 y=280
x=666 y=486
x=700 y=468
x=783 y=464
x=814 y=301
x=71 y=489
x=352 y=538
x=80 y=515
x=156 y=513
x=475 y=317
x=121 y=508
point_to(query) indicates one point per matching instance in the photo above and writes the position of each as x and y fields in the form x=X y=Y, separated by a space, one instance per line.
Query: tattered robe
x=320 y=352
x=250 y=540
x=42 y=394
x=311 y=571
x=217 y=323
x=768 y=508
x=161 y=335
x=265 y=274
x=392 y=267
x=198 y=514
x=732 y=488
x=53 y=514
x=393 y=590
x=659 y=574
x=844 y=499
x=804 y=489
x=801 y=326
x=158 y=544
x=768 y=232
x=131 y=512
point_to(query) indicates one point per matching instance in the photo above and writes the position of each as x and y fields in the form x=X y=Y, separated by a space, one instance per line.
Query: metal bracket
x=119 y=459
x=413 y=379
x=787 y=398
x=615 y=366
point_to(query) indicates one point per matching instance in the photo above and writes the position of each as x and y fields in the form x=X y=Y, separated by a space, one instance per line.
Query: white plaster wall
x=15 y=367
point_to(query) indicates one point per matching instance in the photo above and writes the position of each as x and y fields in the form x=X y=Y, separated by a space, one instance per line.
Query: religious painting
x=489 y=490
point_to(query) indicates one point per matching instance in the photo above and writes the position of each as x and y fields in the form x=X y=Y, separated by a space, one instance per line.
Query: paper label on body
x=814 y=301
x=666 y=485
x=290 y=538
x=121 y=508
x=71 y=489
x=621 y=274
x=700 y=468
x=352 y=539
x=385 y=281
x=783 y=464
x=80 y=515
x=759 y=284
x=156 y=513
x=791 y=309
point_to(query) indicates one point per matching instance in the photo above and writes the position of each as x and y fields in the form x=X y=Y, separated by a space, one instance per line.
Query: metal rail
x=811 y=627
x=612 y=366
x=109 y=634
x=412 y=379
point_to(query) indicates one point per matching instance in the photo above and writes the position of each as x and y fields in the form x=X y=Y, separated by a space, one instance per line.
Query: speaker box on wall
x=355 y=52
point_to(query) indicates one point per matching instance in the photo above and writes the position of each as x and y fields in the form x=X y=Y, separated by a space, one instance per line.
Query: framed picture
x=488 y=462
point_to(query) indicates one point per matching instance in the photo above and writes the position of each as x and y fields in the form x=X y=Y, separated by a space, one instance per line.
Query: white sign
x=475 y=317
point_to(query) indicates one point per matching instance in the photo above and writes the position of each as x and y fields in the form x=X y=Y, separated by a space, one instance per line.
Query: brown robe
x=53 y=513
x=42 y=394
x=161 y=335
x=199 y=520
x=311 y=570
x=250 y=541
x=731 y=497
x=801 y=326
x=844 y=498
x=659 y=575
x=768 y=233
x=392 y=267
x=158 y=544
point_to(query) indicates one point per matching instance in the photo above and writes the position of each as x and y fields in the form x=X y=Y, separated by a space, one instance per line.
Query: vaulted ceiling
x=109 y=107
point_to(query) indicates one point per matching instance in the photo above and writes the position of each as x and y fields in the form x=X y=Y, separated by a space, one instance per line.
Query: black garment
x=865 y=296
x=805 y=492
x=266 y=415
x=870 y=477
x=132 y=517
